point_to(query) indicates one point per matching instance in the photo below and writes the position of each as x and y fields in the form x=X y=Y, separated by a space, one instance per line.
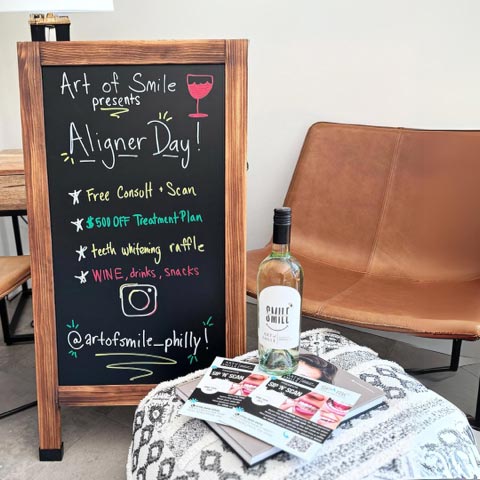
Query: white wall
x=397 y=63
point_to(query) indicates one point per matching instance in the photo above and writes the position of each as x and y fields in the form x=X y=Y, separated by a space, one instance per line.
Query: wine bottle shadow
x=147 y=372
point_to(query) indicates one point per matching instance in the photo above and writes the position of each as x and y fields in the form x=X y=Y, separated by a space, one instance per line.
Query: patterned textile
x=414 y=434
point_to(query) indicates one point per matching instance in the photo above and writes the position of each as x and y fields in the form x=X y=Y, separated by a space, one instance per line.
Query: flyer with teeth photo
x=223 y=387
x=293 y=413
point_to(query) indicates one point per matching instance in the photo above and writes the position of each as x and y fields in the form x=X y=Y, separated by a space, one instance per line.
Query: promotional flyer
x=224 y=386
x=293 y=413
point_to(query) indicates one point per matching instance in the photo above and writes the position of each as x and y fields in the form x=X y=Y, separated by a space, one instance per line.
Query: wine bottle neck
x=280 y=249
x=281 y=240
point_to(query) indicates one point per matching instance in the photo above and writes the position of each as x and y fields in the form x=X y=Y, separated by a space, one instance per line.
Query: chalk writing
x=130 y=365
x=75 y=194
x=82 y=277
x=108 y=249
x=81 y=252
x=66 y=158
x=138 y=215
x=138 y=300
x=187 y=271
x=175 y=191
x=78 y=223
x=186 y=339
x=182 y=216
x=115 y=112
x=138 y=249
x=187 y=244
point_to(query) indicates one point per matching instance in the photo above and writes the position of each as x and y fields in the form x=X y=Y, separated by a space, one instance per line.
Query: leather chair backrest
x=392 y=202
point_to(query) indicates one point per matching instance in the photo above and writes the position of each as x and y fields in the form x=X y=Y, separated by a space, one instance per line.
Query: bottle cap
x=282 y=216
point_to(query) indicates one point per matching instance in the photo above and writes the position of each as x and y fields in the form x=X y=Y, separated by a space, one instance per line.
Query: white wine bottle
x=279 y=294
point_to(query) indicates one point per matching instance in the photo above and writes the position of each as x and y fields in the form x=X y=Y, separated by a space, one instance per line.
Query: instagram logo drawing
x=138 y=299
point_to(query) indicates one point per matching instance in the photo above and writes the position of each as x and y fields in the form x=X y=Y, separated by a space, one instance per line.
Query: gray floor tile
x=18 y=444
x=15 y=391
x=99 y=454
x=89 y=437
x=412 y=357
x=18 y=360
x=122 y=415
x=475 y=369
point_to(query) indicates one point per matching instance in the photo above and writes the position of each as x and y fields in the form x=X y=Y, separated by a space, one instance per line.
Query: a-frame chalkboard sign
x=135 y=160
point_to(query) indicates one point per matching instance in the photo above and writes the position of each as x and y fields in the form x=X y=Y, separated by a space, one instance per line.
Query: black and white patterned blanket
x=415 y=434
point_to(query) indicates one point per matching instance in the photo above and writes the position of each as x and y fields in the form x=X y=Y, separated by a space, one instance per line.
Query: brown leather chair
x=386 y=223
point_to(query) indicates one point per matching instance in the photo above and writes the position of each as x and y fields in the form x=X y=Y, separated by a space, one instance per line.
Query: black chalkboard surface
x=136 y=179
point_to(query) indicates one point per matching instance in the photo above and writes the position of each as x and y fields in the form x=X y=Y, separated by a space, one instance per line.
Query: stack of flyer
x=259 y=415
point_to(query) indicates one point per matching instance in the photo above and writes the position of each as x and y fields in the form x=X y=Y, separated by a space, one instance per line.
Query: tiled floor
x=97 y=439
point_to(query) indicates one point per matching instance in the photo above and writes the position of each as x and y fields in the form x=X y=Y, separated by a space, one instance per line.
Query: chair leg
x=455 y=357
x=475 y=421
x=9 y=326
x=454 y=361
x=5 y=322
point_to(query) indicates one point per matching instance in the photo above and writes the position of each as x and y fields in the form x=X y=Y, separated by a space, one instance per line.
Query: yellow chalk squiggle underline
x=126 y=365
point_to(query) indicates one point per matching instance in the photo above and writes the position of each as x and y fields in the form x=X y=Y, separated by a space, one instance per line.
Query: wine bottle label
x=279 y=310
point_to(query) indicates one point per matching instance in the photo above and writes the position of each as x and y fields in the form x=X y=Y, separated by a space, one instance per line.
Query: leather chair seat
x=13 y=272
x=386 y=224
x=430 y=309
x=321 y=281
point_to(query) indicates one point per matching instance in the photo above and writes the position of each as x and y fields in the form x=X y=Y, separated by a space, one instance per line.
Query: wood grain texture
x=13 y=196
x=11 y=162
x=12 y=193
x=235 y=196
x=132 y=52
x=83 y=396
x=33 y=131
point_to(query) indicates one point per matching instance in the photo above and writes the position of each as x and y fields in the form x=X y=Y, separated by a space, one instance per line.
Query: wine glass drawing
x=199 y=86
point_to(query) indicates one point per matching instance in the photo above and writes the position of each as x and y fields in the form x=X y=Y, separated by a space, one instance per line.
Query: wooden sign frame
x=32 y=57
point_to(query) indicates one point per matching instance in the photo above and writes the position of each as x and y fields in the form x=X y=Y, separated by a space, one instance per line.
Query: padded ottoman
x=414 y=434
